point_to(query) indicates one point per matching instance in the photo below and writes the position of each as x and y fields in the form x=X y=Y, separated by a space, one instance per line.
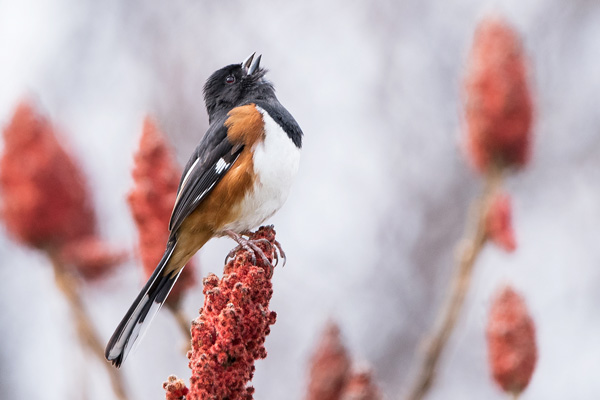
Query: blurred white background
x=381 y=197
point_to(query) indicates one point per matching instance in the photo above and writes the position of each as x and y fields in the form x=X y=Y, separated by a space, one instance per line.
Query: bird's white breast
x=275 y=162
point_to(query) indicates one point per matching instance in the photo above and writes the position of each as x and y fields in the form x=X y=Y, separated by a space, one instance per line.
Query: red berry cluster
x=229 y=335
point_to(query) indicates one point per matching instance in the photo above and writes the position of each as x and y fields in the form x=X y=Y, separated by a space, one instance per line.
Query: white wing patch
x=221 y=165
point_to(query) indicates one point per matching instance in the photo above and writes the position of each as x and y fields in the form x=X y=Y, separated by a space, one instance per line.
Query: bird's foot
x=276 y=254
x=250 y=245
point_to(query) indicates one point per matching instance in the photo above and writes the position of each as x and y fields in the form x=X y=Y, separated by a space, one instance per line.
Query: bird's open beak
x=251 y=64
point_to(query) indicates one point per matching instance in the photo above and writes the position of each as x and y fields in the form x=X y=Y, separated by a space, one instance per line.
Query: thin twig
x=470 y=247
x=69 y=285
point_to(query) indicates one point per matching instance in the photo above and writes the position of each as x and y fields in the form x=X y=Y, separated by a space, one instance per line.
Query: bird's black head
x=234 y=85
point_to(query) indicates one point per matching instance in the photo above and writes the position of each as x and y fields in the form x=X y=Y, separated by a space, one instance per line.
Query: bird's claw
x=279 y=252
x=250 y=245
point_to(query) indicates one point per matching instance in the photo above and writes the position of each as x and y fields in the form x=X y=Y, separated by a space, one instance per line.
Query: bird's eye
x=230 y=79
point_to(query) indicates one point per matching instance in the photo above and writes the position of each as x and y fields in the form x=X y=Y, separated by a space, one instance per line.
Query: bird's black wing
x=211 y=160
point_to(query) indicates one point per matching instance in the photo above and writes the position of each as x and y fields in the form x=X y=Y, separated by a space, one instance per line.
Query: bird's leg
x=248 y=245
x=247 y=232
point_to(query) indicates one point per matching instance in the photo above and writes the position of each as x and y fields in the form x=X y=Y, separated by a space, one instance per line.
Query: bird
x=238 y=176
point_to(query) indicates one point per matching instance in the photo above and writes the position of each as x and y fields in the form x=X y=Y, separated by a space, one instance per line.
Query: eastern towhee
x=238 y=176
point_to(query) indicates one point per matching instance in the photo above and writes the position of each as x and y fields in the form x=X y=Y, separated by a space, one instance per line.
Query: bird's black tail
x=143 y=310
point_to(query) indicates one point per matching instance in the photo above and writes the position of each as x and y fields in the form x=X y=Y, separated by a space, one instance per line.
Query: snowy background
x=379 y=204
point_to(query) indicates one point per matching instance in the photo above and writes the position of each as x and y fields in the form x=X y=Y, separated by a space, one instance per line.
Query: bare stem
x=469 y=249
x=69 y=285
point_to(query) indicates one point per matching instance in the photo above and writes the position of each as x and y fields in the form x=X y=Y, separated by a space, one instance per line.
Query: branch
x=69 y=285
x=470 y=248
